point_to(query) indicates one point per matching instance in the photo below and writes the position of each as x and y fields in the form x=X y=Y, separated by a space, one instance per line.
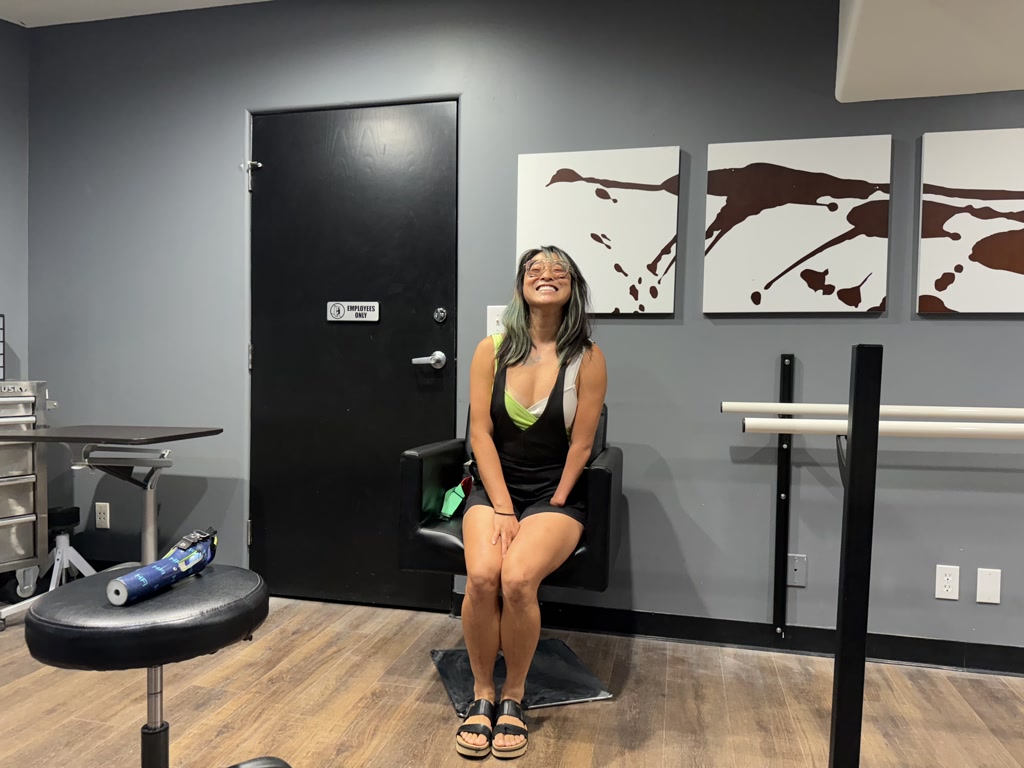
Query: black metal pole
x=783 y=491
x=855 y=556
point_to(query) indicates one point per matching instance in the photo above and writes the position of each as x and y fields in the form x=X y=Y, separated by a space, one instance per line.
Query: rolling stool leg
x=155 y=741
x=59 y=564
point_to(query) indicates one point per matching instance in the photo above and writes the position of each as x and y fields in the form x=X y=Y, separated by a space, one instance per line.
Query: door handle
x=437 y=360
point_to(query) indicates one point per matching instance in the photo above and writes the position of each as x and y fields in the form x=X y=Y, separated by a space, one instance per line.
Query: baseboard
x=970 y=657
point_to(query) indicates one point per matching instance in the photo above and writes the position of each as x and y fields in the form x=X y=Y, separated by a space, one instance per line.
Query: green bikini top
x=524 y=417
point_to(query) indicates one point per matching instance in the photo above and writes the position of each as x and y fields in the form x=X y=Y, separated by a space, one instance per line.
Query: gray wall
x=139 y=276
x=14 y=54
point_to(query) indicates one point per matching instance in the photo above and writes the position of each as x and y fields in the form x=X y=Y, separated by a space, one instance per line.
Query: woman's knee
x=517 y=583
x=483 y=580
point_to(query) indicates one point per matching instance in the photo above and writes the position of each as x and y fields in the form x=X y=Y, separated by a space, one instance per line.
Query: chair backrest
x=600 y=437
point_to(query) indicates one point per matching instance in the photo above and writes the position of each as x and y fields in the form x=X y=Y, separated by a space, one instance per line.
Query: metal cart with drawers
x=23 y=511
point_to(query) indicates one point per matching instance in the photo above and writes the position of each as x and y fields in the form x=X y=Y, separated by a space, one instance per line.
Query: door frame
x=243 y=346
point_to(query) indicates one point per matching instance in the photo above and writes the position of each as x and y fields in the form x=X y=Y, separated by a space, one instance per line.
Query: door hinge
x=248 y=534
x=249 y=166
x=250 y=355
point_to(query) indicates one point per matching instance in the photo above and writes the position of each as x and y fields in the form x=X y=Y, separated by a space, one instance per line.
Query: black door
x=353 y=252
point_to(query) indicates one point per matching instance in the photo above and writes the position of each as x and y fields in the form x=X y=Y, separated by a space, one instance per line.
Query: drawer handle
x=17 y=520
x=5 y=420
x=17 y=480
x=17 y=401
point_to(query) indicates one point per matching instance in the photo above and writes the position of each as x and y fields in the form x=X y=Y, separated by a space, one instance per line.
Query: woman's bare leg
x=481 y=617
x=545 y=541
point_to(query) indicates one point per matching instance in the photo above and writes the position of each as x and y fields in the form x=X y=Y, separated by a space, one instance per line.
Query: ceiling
x=42 y=13
x=888 y=49
x=894 y=49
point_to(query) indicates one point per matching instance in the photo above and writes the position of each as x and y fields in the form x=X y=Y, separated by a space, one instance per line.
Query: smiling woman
x=536 y=394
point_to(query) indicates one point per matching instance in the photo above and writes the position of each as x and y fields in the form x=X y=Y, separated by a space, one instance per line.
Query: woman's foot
x=510 y=734
x=473 y=739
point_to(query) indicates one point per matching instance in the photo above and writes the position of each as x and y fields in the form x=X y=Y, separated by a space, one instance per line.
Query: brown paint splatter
x=851 y=296
x=618 y=268
x=870 y=219
x=653 y=266
x=634 y=293
x=654 y=291
x=756 y=297
x=958 y=268
x=616 y=311
x=818 y=281
x=935 y=216
x=642 y=308
x=945 y=281
x=600 y=239
x=928 y=303
x=758 y=187
x=568 y=175
x=604 y=195
x=972 y=194
x=1003 y=251
x=880 y=307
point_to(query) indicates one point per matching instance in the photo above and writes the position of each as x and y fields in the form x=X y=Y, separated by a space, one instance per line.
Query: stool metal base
x=156 y=746
x=156 y=742
x=62 y=558
x=556 y=677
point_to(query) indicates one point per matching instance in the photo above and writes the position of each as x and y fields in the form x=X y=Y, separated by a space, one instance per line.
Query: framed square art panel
x=797 y=226
x=615 y=212
x=971 y=255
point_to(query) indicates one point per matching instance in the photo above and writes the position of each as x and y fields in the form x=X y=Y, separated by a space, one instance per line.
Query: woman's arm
x=590 y=391
x=481 y=428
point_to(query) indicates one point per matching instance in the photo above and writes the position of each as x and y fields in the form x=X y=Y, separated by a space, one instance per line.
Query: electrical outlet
x=989 y=585
x=102 y=514
x=494 y=324
x=947 y=582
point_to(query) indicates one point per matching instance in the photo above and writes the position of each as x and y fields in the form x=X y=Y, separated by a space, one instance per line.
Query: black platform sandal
x=510 y=708
x=479 y=707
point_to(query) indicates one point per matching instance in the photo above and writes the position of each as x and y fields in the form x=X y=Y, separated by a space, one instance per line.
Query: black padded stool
x=75 y=627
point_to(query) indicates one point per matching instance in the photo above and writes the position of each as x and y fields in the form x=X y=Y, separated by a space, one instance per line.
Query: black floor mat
x=556 y=677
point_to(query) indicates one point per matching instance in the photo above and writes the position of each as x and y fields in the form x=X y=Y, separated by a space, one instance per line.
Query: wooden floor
x=326 y=686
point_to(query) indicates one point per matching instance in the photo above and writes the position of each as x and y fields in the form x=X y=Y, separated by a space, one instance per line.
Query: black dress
x=532 y=459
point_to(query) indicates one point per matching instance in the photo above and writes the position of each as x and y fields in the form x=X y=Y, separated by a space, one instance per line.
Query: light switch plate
x=494 y=324
x=989 y=585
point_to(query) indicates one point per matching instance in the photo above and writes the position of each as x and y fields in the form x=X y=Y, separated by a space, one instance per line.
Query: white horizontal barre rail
x=885 y=411
x=887 y=428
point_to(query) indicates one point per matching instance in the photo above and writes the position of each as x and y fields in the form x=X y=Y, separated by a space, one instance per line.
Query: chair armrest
x=426 y=473
x=442 y=449
x=605 y=504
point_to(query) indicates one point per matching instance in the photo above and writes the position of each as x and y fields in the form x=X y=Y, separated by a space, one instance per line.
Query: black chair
x=432 y=544
x=76 y=627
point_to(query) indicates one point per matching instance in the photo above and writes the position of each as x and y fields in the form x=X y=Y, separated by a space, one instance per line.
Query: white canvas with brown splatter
x=615 y=212
x=971 y=256
x=797 y=226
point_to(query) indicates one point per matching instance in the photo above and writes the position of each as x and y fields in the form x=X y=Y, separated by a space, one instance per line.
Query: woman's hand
x=558 y=500
x=506 y=527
